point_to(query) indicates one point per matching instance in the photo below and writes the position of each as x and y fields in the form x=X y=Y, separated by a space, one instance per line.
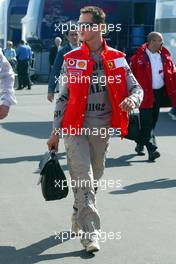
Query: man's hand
x=53 y=142
x=127 y=105
x=4 y=110
x=50 y=97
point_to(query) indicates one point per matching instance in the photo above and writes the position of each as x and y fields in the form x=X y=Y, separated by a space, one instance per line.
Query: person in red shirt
x=154 y=70
x=98 y=92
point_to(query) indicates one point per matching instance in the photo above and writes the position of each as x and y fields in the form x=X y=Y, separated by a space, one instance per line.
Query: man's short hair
x=22 y=42
x=98 y=15
x=152 y=35
x=9 y=43
x=58 y=39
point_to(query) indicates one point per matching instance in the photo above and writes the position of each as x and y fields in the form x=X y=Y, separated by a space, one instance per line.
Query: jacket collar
x=86 y=49
x=143 y=47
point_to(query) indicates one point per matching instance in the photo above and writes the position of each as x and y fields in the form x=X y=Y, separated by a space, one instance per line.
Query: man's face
x=86 y=27
x=157 y=43
x=73 y=37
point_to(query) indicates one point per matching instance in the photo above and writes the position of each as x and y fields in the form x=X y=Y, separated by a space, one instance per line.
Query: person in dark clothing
x=54 y=50
x=72 y=41
x=24 y=56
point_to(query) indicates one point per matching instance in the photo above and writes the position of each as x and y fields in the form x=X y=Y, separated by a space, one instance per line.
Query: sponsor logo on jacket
x=117 y=63
x=77 y=64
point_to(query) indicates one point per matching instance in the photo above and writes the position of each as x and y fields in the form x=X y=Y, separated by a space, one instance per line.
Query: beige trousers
x=86 y=159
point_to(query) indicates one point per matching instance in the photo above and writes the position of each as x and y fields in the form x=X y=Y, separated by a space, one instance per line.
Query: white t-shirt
x=157 y=69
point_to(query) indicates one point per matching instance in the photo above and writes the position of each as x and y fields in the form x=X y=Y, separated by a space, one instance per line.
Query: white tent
x=4 y=4
x=30 y=22
x=165 y=23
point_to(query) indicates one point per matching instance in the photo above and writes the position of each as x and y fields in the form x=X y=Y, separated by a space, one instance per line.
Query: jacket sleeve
x=17 y=53
x=134 y=88
x=62 y=100
x=133 y=65
x=30 y=53
x=7 y=82
x=55 y=72
x=51 y=56
x=173 y=95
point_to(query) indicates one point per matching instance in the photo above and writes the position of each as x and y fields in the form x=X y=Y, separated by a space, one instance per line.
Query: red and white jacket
x=79 y=65
x=141 y=68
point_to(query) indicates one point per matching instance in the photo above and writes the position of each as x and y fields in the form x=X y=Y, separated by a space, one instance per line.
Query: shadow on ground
x=164 y=183
x=32 y=253
x=61 y=156
x=41 y=130
x=125 y=160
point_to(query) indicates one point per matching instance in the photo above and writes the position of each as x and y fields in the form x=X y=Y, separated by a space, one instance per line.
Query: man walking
x=24 y=56
x=71 y=42
x=84 y=103
x=10 y=54
x=155 y=72
x=54 y=50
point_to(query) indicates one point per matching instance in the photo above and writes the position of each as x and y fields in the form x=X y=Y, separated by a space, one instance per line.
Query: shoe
x=153 y=155
x=172 y=114
x=95 y=189
x=93 y=246
x=19 y=88
x=90 y=245
x=29 y=88
x=139 y=150
x=75 y=228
